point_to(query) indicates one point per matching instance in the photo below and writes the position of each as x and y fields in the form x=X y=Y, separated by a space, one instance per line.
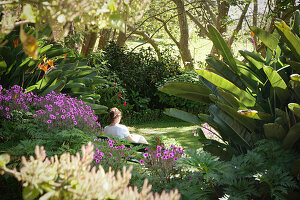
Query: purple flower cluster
x=161 y=154
x=57 y=110
x=110 y=153
x=162 y=161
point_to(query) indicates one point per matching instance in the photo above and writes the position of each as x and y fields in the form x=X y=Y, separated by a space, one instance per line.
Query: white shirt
x=120 y=131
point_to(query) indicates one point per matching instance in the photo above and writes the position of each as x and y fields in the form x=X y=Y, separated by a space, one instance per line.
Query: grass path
x=180 y=130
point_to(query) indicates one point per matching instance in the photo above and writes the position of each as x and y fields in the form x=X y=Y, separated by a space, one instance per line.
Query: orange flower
x=50 y=62
x=16 y=43
x=65 y=55
x=252 y=34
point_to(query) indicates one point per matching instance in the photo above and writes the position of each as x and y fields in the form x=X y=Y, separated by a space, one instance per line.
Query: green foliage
x=260 y=89
x=19 y=136
x=261 y=172
x=139 y=73
x=53 y=180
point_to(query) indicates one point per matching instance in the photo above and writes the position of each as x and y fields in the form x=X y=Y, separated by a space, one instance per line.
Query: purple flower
x=34 y=115
x=159 y=148
x=75 y=123
x=7 y=116
x=1 y=107
x=97 y=160
x=145 y=155
x=110 y=154
x=176 y=158
x=52 y=116
x=7 y=108
x=63 y=117
x=49 y=121
x=146 y=148
x=141 y=161
x=158 y=155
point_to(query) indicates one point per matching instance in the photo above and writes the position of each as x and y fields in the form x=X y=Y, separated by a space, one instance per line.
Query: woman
x=120 y=131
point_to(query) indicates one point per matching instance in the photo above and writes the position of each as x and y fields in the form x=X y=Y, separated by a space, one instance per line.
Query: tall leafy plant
x=249 y=100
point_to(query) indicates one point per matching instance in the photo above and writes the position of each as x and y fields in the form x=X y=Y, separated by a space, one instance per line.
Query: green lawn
x=180 y=130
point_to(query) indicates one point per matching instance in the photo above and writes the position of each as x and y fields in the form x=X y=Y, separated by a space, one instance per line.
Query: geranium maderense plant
x=162 y=161
x=111 y=153
x=55 y=109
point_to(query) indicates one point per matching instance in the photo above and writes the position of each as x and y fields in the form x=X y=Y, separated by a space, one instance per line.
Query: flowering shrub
x=162 y=161
x=111 y=153
x=71 y=177
x=55 y=109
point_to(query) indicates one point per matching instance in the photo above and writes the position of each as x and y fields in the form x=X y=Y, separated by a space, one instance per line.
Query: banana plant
x=250 y=100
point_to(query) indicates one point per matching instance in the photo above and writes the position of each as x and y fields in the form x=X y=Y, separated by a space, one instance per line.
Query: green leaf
x=277 y=83
x=292 y=136
x=275 y=131
x=224 y=70
x=30 y=193
x=267 y=38
x=295 y=78
x=292 y=40
x=231 y=99
x=74 y=85
x=234 y=130
x=223 y=83
x=222 y=47
x=249 y=123
x=254 y=114
x=296 y=24
x=191 y=91
x=173 y=112
x=295 y=108
x=4 y=159
x=295 y=65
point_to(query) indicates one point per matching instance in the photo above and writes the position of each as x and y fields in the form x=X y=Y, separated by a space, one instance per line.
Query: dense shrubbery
x=139 y=73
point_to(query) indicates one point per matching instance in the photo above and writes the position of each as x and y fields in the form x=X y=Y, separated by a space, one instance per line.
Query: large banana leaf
x=191 y=91
x=277 y=83
x=295 y=65
x=275 y=131
x=250 y=80
x=295 y=108
x=173 y=112
x=291 y=39
x=292 y=136
x=254 y=114
x=231 y=99
x=222 y=47
x=234 y=131
x=223 y=83
x=267 y=38
x=249 y=123
x=256 y=63
x=224 y=70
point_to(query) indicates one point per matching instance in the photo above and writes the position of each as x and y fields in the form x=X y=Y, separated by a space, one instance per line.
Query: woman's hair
x=113 y=114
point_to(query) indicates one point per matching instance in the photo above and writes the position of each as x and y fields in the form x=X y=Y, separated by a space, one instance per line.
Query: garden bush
x=170 y=101
x=140 y=72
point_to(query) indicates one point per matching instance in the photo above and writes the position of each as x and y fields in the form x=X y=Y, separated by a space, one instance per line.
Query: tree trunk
x=255 y=15
x=104 y=38
x=184 y=36
x=239 y=25
x=147 y=38
x=89 y=43
x=121 y=39
x=223 y=9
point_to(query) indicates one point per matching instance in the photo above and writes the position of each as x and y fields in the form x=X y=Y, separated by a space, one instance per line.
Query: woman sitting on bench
x=121 y=131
